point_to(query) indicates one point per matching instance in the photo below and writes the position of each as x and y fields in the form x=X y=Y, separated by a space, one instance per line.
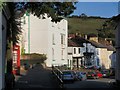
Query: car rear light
x=92 y=74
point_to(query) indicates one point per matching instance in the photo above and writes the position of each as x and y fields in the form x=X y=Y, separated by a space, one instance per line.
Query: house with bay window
x=75 y=53
x=88 y=53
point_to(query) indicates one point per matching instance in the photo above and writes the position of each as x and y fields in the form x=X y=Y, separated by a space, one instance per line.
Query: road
x=91 y=83
x=40 y=77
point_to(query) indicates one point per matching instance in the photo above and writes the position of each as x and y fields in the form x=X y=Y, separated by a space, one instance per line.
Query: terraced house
x=89 y=53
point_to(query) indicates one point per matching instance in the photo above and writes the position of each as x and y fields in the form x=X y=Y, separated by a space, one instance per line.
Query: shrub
x=34 y=56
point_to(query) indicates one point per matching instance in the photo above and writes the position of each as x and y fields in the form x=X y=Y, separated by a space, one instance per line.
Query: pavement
x=34 y=78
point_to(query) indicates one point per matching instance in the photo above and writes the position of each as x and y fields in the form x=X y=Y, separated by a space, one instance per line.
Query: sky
x=102 y=9
x=62 y=0
x=98 y=0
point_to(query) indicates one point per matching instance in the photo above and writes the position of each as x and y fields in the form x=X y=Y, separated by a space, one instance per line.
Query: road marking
x=92 y=80
x=23 y=82
x=38 y=86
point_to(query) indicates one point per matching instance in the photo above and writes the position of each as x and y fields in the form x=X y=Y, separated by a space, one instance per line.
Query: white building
x=113 y=60
x=75 y=54
x=45 y=37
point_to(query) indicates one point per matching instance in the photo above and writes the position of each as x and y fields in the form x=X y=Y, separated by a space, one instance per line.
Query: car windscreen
x=90 y=73
x=66 y=72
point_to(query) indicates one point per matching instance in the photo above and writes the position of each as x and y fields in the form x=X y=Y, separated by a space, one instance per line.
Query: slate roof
x=99 y=45
x=72 y=43
x=96 y=44
x=78 y=42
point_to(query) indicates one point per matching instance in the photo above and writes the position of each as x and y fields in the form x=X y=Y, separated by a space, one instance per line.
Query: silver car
x=81 y=75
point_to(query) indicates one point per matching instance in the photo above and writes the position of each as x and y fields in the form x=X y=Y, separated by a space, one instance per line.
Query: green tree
x=106 y=30
x=83 y=16
x=55 y=10
x=1 y=4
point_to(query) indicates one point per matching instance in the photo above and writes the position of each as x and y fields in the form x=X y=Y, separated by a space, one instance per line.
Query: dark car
x=75 y=75
x=112 y=72
x=105 y=73
x=91 y=74
x=68 y=76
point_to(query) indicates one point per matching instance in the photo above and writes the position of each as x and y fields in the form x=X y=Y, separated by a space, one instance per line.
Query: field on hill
x=84 y=26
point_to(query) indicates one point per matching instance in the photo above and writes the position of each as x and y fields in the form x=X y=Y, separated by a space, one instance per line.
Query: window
x=53 y=39
x=53 y=54
x=74 y=50
x=79 y=50
x=62 y=39
x=62 y=54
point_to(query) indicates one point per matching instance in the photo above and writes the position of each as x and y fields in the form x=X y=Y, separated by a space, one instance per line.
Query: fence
x=58 y=74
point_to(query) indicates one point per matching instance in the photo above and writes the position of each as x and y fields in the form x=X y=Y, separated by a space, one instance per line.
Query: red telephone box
x=16 y=59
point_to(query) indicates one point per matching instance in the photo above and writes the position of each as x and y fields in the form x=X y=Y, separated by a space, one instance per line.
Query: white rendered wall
x=57 y=29
x=38 y=35
x=41 y=39
x=104 y=57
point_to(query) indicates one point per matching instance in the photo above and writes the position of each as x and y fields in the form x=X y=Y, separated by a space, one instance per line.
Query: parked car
x=105 y=73
x=99 y=74
x=68 y=75
x=81 y=75
x=112 y=72
x=91 y=74
x=75 y=75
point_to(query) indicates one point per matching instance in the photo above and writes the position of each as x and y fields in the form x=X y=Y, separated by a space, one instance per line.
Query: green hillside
x=85 y=25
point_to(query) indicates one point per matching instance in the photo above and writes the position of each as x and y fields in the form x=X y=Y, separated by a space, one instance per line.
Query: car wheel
x=97 y=77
